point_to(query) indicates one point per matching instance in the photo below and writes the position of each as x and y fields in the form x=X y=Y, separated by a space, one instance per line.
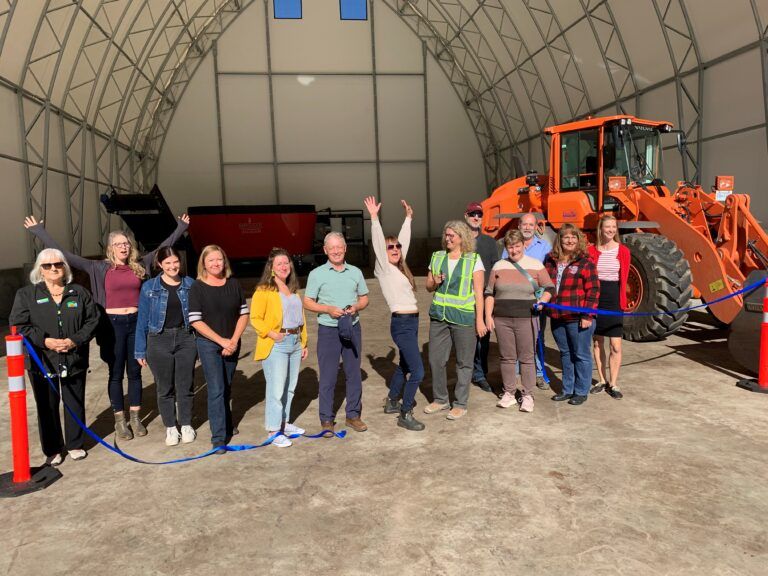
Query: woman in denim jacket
x=165 y=342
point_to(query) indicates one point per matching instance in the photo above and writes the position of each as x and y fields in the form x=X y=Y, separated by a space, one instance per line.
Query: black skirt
x=611 y=326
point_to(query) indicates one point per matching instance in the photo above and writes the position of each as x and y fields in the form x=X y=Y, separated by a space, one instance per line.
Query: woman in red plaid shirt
x=576 y=285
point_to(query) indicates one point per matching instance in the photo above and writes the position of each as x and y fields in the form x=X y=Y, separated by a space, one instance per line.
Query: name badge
x=71 y=304
x=43 y=300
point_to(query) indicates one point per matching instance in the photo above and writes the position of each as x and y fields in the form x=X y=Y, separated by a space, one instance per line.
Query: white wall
x=324 y=120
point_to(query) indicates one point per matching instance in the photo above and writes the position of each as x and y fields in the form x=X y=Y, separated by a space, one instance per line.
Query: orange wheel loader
x=685 y=242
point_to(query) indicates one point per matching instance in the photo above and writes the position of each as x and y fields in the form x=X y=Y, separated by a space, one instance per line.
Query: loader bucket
x=744 y=334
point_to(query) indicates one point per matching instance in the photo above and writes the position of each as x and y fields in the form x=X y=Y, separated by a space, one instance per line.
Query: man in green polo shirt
x=335 y=290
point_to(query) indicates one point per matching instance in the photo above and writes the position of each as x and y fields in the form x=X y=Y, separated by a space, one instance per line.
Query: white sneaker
x=506 y=401
x=282 y=441
x=527 y=404
x=54 y=460
x=188 y=434
x=291 y=429
x=77 y=454
x=172 y=436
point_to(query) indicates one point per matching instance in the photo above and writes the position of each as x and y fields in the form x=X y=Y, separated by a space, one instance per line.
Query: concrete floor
x=669 y=480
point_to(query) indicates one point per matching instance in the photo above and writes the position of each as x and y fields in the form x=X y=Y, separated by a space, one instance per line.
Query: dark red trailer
x=250 y=232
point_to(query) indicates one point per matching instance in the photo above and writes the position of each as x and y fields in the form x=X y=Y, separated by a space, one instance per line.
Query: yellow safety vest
x=454 y=300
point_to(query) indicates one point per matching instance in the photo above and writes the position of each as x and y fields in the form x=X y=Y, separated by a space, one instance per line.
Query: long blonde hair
x=401 y=264
x=464 y=232
x=603 y=219
x=133 y=256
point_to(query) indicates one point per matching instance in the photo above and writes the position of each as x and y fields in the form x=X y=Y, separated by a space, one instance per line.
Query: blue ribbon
x=540 y=352
x=116 y=450
x=596 y=311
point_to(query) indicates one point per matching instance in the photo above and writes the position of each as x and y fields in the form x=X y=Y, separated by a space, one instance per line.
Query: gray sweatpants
x=441 y=336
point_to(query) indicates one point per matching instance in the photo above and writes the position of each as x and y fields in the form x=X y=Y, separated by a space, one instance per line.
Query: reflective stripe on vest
x=454 y=300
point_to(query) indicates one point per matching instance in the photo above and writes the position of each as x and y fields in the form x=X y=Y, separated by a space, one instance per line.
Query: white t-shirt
x=452 y=265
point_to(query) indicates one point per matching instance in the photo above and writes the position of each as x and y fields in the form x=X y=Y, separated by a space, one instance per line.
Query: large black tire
x=665 y=275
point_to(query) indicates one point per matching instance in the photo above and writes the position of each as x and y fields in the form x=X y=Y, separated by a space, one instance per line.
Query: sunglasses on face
x=49 y=265
x=475 y=214
x=393 y=246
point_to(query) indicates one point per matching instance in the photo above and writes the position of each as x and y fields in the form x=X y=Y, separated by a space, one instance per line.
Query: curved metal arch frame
x=6 y=16
x=670 y=13
x=506 y=126
x=531 y=78
x=600 y=11
x=567 y=63
x=181 y=71
x=762 y=31
x=36 y=172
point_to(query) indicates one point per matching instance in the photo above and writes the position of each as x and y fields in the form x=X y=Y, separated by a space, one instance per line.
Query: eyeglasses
x=475 y=214
x=122 y=244
x=393 y=246
x=49 y=265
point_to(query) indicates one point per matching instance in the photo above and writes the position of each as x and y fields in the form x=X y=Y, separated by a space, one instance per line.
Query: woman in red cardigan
x=612 y=261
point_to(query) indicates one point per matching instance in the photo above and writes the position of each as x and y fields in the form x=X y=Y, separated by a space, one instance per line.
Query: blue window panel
x=288 y=9
x=354 y=9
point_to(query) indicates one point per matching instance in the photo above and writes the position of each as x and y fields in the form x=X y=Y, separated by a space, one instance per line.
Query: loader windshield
x=638 y=153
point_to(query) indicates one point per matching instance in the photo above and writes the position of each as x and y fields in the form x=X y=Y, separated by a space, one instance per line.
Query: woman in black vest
x=58 y=318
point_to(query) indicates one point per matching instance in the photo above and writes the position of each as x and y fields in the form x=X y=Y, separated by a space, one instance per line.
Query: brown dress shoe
x=328 y=426
x=356 y=424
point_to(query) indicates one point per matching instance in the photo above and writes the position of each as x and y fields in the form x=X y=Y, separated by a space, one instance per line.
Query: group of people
x=168 y=321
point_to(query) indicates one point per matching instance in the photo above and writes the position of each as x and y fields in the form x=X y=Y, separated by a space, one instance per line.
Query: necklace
x=56 y=294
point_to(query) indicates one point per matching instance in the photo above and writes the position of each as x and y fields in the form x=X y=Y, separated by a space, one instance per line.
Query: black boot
x=391 y=406
x=407 y=421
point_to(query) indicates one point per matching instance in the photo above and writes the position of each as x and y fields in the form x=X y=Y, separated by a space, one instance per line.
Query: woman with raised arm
x=115 y=285
x=219 y=315
x=612 y=260
x=277 y=314
x=398 y=287
x=58 y=319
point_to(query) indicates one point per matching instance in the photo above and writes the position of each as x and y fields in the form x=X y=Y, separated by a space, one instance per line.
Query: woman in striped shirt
x=517 y=286
x=612 y=260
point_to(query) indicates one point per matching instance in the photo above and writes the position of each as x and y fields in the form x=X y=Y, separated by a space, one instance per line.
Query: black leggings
x=116 y=345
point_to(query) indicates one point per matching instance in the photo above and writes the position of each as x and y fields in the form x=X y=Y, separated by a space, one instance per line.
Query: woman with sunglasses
x=116 y=284
x=58 y=319
x=398 y=287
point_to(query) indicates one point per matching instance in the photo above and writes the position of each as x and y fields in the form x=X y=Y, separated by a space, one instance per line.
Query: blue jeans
x=405 y=333
x=575 y=344
x=117 y=345
x=480 y=369
x=540 y=335
x=281 y=371
x=330 y=347
x=218 y=371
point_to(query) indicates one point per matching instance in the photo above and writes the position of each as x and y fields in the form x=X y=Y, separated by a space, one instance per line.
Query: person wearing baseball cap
x=488 y=250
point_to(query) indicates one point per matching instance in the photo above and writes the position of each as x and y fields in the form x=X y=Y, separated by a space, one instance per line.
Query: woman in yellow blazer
x=277 y=315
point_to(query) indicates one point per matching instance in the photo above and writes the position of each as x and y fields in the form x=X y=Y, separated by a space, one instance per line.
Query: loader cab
x=586 y=154
x=633 y=151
